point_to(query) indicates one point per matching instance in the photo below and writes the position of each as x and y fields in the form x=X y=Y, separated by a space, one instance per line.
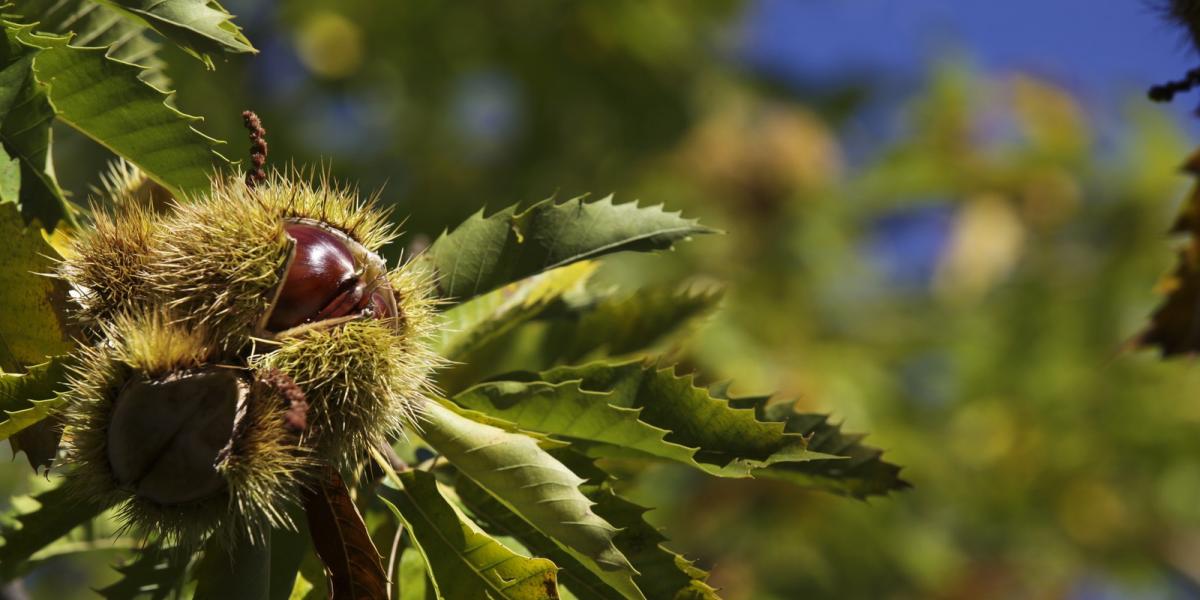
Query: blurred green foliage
x=963 y=288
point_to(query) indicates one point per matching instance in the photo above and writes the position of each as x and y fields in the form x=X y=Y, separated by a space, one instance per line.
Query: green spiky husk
x=206 y=271
x=263 y=469
x=220 y=258
x=365 y=380
x=107 y=261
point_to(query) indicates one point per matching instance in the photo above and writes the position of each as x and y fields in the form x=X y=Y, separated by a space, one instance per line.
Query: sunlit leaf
x=861 y=473
x=202 y=27
x=10 y=179
x=25 y=118
x=636 y=409
x=617 y=324
x=463 y=561
x=35 y=325
x=1175 y=326
x=97 y=25
x=29 y=397
x=414 y=582
x=469 y=326
x=106 y=100
x=528 y=480
x=487 y=251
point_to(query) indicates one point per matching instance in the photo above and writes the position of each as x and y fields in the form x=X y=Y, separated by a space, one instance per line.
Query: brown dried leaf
x=342 y=541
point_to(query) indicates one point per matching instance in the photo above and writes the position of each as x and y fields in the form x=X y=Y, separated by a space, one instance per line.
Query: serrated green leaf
x=201 y=27
x=105 y=99
x=617 y=324
x=13 y=421
x=35 y=325
x=560 y=324
x=487 y=251
x=528 y=480
x=153 y=574
x=635 y=409
x=662 y=573
x=567 y=411
x=463 y=561
x=59 y=512
x=29 y=397
x=862 y=472
x=469 y=326
x=25 y=118
x=573 y=574
x=96 y=25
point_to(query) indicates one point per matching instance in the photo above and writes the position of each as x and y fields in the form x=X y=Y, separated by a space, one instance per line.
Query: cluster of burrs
x=236 y=343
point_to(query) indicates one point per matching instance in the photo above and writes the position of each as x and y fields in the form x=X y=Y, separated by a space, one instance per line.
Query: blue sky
x=1098 y=48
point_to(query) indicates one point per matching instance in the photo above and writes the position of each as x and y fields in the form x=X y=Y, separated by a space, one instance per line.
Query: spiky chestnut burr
x=366 y=379
x=107 y=260
x=272 y=300
x=158 y=425
x=223 y=260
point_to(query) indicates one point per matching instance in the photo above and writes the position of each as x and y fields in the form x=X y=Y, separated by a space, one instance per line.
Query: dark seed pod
x=157 y=426
x=166 y=434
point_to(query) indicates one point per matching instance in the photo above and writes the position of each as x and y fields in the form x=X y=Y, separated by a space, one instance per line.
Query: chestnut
x=167 y=434
x=329 y=276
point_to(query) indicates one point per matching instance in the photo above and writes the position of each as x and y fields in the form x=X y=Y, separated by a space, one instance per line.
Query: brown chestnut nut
x=166 y=434
x=330 y=276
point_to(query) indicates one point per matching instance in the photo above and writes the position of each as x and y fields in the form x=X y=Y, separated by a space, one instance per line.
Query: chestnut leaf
x=635 y=409
x=106 y=100
x=237 y=572
x=463 y=561
x=154 y=574
x=35 y=324
x=1175 y=325
x=25 y=118
x=27 y=398
x=413 y=579
x=200 y=27
x=488 y=251
x=125 y=39
x=661 y=572
x=341 y=539
x=861 y=472
x=613 y=323
x=471 y=328
x=528 y=480
x=61 y=510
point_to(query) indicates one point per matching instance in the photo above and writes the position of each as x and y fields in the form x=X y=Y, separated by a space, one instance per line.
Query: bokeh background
x=944 y=220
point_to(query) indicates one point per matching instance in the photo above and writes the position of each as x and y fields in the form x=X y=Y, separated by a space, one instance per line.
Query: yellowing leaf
x=35 y=324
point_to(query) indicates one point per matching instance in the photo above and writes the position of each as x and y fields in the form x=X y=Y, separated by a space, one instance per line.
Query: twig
x=393 y=558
